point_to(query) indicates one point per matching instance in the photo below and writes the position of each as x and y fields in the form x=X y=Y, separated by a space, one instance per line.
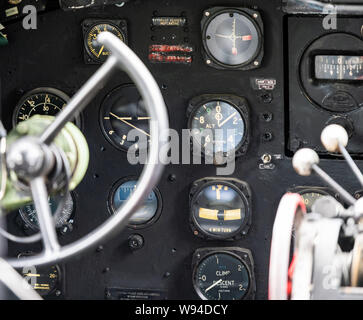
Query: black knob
x=136 y=241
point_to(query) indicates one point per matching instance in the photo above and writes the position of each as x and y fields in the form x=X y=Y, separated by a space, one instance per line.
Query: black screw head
x=136 y=241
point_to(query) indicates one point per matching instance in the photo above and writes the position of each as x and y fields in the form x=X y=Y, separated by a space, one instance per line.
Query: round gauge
x=43 y=101
x=310 y=196
x=222 y=276
x=145 y=215
x=43 y=279
x=232 y=38
x=220 y=210
x=95 y=50
x=331 y=74
x=123 y=110
x=218 y=127
x=30 y=218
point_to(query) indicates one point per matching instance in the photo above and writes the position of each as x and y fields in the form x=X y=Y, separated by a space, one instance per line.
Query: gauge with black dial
x=42 y=101
x=232 y=38
x=92 y=28
x=123 y=110
x=46 y=280
x=222 y=275
x=145 y=215
x=29 y=214
x=219 y=125
x=220 y=208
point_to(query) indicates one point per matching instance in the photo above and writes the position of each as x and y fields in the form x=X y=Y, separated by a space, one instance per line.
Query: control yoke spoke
x=45 y=218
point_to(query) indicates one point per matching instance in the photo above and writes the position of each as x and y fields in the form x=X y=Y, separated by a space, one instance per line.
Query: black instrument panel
x=175 y=52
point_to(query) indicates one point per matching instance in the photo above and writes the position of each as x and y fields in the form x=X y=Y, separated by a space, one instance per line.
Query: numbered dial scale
x=220 y=208
x=123 y=110
x=147 y=214
x=219 y=125
x=43 y=101
x=223 y=274
x=232 y=38
x=94 y=51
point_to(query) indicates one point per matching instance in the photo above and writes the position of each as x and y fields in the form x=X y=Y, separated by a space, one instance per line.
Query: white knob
x=303 y=161
x=332 y=136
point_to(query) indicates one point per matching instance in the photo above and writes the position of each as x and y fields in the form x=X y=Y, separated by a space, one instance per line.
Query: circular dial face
x=123 y=110
x=43 y=279
x=29 y=213
x=219 y=210
x=232 y=38
x=144 y=214
x=96 y=50
x=221 y=276
x=310 y=197
x=43 y=101
x=217 y=127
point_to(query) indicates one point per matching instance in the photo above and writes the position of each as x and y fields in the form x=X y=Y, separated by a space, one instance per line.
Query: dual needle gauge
x=232 y=38
x=123 y=110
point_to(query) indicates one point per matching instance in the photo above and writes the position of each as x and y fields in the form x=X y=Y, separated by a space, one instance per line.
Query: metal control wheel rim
x=124 y=58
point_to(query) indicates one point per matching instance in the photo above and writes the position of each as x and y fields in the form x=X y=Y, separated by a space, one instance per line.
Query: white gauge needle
x=213 y=285
x=223 y=122
x=129 y=124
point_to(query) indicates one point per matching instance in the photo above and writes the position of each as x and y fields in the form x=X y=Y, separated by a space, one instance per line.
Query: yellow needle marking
x=143 y=118
x=32 y=275
x=100 y=51
x=131 y=125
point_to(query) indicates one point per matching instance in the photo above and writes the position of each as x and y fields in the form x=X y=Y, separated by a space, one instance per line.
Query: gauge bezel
x=111 y=209
x=325 y=191
x=239 y=103
x=60 y=280
x=319 y=91
x=102 y=114
x=88 y=24
x=30 y=226
x=42 y=90
x=258 y=24
x=241 y=254
x=243 y=190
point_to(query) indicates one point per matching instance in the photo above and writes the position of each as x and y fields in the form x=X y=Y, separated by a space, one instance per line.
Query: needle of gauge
x=100 y=51
x=213 y=285
x=32 y=275
x=128 y=123
x=231 y=116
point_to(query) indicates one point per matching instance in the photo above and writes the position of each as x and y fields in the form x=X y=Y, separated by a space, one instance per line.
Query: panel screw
x=136 y=241
x=266 y=158
x=256 y=63
x=206 y=14
x=208 y=61
x=255 y=15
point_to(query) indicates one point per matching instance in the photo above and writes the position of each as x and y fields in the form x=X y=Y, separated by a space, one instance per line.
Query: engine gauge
x=219 y=125
x=232 y=38
x=311 y=194
x=147 y=214
x=96 y=52
x=123 y=110
x=46 y=280
x=220 y=208
x=29 y=214
x=43 y=101
x=223 y=274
